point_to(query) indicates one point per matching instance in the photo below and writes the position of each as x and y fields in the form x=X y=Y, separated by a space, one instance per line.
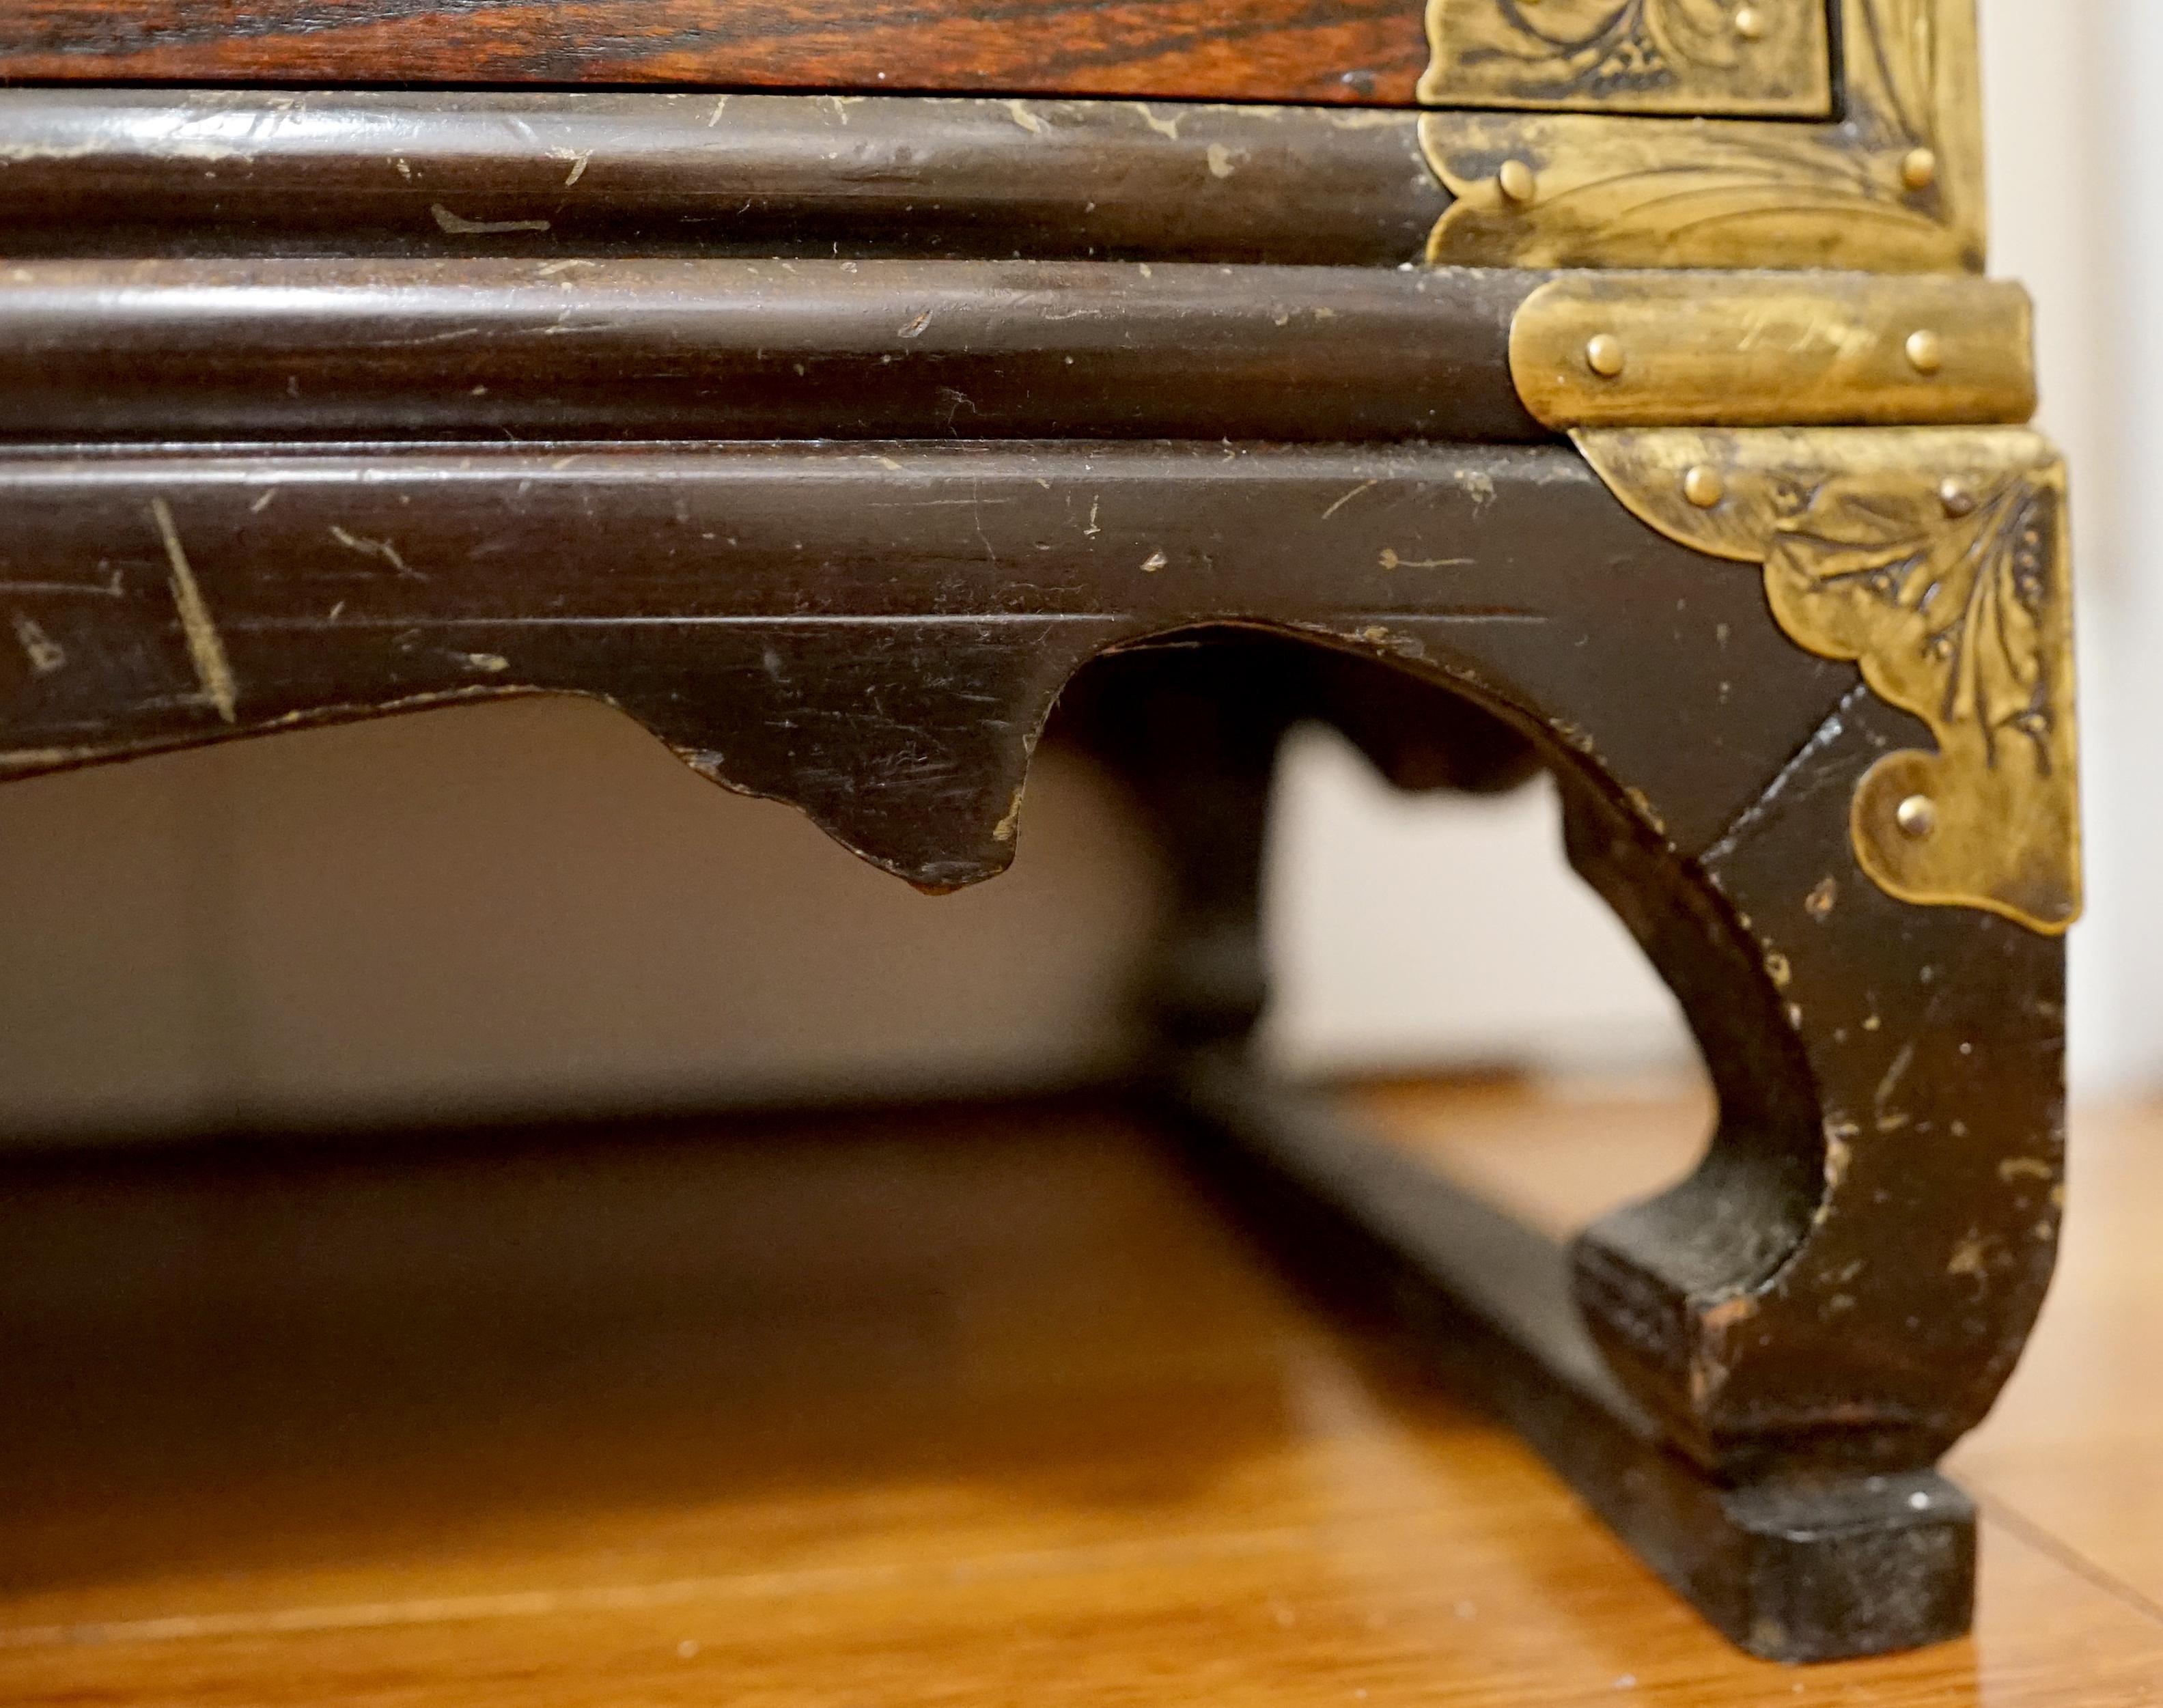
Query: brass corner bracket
x=1937 y=559
x=1889 y=180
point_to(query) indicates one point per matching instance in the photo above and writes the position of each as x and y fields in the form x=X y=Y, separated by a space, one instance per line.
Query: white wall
x=2116 y=427
x=527 y=906
x=2077 y=159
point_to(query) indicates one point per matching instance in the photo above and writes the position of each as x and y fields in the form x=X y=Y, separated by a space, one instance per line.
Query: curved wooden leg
x=1819 y=1312
x=1839 y=1291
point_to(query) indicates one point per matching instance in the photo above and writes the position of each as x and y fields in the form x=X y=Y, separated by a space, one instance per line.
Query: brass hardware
x=1516 y=181
x=1926 y=352
x=1958 y=500
x=1604 y=354
x=1771 y=58
x=1893 y=185
x=1963 y=618
x=1703 y=486
x=1917 y=816
x=1773 y=349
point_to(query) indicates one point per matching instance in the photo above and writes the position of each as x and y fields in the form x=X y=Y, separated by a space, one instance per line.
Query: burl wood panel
x=1360 y=51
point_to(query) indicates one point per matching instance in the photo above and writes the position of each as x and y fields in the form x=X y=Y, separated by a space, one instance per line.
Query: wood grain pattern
x=1361 y=51
x=975 y=1406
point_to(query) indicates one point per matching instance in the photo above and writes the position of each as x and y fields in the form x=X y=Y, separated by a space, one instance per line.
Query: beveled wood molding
x=1603 y=349
x=292 y=349
x=1768 y=58
x=557 y=174
x=1937 y=558
x=1894 y=185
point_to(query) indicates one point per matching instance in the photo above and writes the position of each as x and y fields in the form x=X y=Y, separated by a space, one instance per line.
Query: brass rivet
x=1958 y=500
x=1516 y=181
x=1703 y=486
x=1919 y=171
x=1604 y=356
x=1750 y=23
x=1917 y=816
x=1926 y=352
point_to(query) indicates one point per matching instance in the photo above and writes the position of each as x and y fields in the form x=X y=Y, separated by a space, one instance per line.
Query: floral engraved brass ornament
x=1773 y=59
x=1937 y=559
x=1619 y=192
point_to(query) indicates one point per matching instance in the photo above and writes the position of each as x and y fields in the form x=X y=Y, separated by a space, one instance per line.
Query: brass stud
x=1917 y=816
x=1604 y=356
x=1516 y=181
x=1750 y=23
x=1956 y=499
x=1703 y=486
x=1919 y=171
x=1926 y=352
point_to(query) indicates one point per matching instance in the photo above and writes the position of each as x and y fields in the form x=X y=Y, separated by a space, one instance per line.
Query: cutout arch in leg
x=1845 y=1279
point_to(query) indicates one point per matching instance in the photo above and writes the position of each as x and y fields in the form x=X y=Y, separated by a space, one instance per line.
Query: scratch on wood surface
x=1363 y=486
x=457 y=225
x=46 y=654
x=375 y=548
x=205 y=649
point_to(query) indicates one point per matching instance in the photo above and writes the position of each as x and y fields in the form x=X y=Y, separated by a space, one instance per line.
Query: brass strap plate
x=1937 y=558
x=1773 y=349
x=1769 y=58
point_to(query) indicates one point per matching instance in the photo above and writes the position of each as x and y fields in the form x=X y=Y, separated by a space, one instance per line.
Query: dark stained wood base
x=1798 y=1570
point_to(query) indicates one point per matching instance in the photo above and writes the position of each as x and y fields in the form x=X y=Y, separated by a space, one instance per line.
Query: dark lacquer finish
x=753 y=602
x=795 y=349
x=1346 y=50
x=135 y=172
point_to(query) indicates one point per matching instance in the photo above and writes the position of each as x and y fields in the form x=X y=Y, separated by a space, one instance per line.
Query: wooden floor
x=962 y=1408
